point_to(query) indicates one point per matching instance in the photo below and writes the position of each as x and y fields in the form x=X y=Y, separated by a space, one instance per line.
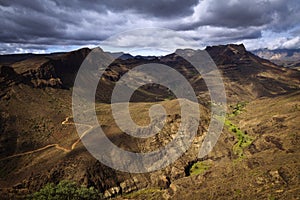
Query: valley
x=256 y=156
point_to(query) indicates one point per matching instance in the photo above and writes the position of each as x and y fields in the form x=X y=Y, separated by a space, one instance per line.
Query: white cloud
x=273 y=41
x=293 y=43
x=149 y=38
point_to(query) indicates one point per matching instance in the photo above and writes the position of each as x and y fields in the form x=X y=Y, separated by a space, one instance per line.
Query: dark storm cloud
x=153 y=8
x=79 y=22
x=22 y=22
x=233 y=34
x=40 y=22
x=238 y=14
x=277 y=14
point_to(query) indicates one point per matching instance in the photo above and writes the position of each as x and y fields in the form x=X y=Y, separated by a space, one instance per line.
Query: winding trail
x=55 y=145
x=84 y=133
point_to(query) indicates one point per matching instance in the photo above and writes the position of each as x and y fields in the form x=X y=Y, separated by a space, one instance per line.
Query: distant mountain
x=121 y=55
x=139 y=57
x=285 y=57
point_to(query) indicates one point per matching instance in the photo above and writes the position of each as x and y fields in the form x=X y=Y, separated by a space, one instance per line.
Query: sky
x=146 y=26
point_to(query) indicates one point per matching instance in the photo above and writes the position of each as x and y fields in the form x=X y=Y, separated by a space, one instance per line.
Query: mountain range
x=284 y=57
x=256 y=156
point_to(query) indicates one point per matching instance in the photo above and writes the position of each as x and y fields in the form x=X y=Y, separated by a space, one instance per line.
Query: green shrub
x=244 y=140
x=66 y=190
x=199 y=168
x=238 y=108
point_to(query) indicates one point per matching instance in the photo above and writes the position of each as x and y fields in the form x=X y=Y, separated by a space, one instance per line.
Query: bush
x=66 y=190
x=198 y=168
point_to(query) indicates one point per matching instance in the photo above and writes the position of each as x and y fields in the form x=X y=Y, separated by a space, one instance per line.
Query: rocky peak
x=235 y=48
x=227 y=54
